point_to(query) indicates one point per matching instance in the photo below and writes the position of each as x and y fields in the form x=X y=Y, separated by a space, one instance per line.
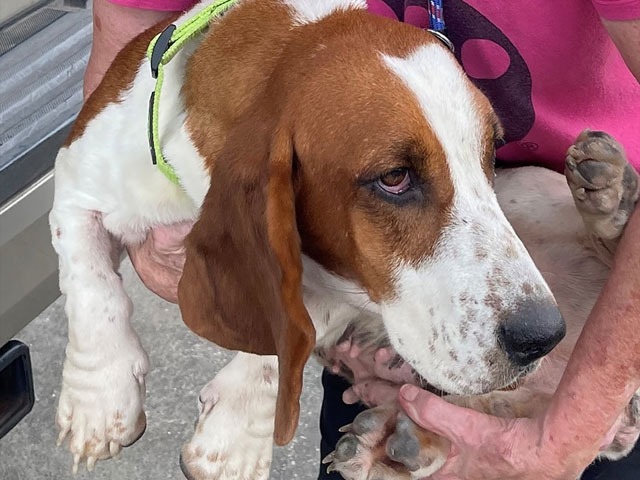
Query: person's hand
x=159 y=260
x=484 y=447
x=377 y=373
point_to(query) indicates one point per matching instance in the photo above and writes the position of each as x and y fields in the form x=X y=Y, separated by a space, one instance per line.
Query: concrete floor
x=181 y=364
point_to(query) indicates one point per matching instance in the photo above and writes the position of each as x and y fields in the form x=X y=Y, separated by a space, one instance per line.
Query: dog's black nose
x=531 y=331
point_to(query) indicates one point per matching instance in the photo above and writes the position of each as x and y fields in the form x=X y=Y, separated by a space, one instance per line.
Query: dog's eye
x=395 y=182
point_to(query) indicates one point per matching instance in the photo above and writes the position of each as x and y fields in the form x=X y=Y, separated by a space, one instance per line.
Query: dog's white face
x=450 y=309
x=416 y=224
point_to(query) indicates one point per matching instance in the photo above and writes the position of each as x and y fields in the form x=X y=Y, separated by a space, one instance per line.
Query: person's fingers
x=437 y=415
x=372 y=392
x=350 y=397
x=387 y=367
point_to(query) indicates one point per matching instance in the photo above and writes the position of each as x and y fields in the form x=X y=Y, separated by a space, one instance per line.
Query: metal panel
x=28 y=277
x=40 y=94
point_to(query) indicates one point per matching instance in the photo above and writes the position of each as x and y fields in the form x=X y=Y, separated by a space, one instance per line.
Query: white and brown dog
x=340 y=168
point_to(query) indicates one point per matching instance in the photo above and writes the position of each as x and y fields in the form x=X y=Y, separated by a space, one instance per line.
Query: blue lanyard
x=436 y=17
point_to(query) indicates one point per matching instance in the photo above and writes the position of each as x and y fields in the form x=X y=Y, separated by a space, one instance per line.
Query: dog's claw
x=328 y=459
x=206 y=405
x=114 y=449
x=62 y=435
x=346 y=428
x=76 y=463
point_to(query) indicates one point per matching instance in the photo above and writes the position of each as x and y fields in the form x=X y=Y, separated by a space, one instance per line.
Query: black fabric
x=334 y=414
x=626 y=469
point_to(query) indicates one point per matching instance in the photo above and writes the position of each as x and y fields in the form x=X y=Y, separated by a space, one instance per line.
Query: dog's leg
x=234 y=432
x=605 y=188
x=383 y=442
x=101 y=399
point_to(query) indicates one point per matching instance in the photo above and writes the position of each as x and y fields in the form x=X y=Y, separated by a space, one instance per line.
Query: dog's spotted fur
x=281 y=123
x=576 y=269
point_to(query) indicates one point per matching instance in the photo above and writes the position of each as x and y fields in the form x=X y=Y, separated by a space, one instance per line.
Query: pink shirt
x=548 y=67
x=158 y=5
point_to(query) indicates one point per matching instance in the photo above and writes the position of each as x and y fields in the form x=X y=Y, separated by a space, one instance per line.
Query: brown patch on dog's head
x=297 y=153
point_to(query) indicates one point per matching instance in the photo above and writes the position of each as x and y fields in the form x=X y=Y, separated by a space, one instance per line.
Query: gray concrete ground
x=181 y=364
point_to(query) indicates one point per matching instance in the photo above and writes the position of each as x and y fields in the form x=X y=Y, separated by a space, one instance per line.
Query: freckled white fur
x=332 y=302
x=111 y=189
x=237 y=409
x=425 y=320
x=311 y=11
x=108 y=192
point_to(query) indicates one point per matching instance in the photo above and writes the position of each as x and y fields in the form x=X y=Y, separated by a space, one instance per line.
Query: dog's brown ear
x=242 y=281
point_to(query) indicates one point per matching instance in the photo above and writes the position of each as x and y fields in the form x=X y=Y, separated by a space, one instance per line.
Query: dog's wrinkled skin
x=340 y=168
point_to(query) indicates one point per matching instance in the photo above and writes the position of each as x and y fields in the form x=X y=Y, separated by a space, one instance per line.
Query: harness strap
x=170 y=41
x=161 y=50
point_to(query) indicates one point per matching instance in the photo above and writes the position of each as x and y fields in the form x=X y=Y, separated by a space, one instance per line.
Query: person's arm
x=159 y=260
x=560 y=445
x=114 y=26
x=626 y=35
x=606 y=358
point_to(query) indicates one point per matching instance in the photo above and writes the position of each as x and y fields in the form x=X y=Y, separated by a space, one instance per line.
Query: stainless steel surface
x=41 y=83
x=9 y=9
x=40 y=94
x=28 y=277
x=25 y=208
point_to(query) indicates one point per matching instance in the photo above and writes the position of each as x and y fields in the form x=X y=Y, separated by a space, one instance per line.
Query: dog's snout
x=531 y=331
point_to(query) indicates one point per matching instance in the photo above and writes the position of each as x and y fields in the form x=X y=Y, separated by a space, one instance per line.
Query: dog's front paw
x=604 y=185
x=234 y=432
x=382 y=443
x=101 y=402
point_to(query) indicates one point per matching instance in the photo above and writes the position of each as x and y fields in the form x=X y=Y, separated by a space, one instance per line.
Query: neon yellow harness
x=164 y=47
x=160 y=51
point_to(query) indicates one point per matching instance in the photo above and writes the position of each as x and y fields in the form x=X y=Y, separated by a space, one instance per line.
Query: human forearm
x=606 y=360
x=626 y=36
x=113 y=27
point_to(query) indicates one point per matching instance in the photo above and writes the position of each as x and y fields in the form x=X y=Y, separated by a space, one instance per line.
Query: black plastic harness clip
x=161 y=46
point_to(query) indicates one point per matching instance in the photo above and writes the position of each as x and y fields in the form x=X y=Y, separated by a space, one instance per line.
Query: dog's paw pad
x=421 y=452
x=604 y=185
x=360 y=453
x=403 y=445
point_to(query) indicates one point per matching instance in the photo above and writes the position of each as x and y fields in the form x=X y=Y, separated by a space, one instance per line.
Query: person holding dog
x=546 y=66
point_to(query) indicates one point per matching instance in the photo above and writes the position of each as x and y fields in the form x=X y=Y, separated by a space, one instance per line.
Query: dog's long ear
x=242 y=281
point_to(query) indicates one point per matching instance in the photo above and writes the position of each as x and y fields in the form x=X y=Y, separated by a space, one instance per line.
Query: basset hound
x=340 y=170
